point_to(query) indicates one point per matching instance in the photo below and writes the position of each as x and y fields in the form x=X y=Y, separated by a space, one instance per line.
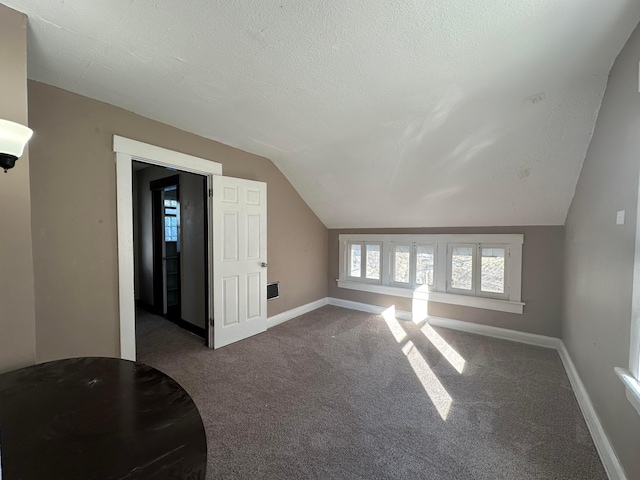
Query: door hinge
x=210 y=192
x=211 y=322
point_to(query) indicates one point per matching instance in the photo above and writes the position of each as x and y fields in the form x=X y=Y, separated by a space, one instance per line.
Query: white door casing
x=239 y=260
x=127 y=151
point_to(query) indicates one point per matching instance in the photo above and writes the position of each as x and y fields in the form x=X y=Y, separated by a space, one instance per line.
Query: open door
x=239 y=210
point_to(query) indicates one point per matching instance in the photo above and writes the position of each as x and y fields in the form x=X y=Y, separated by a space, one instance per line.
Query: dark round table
x=99 y=419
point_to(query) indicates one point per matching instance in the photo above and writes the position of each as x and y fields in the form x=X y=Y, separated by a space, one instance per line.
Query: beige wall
x=541 y=281
x=17 y=314
x=599 y=257
x=74 y=219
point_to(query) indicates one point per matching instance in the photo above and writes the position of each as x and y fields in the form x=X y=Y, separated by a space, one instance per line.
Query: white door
x=239 y=259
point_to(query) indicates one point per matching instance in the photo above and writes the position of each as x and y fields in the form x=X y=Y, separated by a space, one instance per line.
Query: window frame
x=507 y=258
x=363 y=262
x=510 y=302
x=392 y=269
x=415 y=265
x=348 y=261
x=631 y=376
x=474 y=269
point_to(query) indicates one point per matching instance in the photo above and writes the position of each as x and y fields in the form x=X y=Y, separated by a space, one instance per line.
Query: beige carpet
x=341 y=394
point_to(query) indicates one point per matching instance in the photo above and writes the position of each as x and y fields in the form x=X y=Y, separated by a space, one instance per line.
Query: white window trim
x=417 y=245
x=474 y=269
x=347 y=252
x=392 y=271
x=632 y=387
x=438 y=293
x=507 y=260
x=631 y=377
x=440 y=297
x=363 y=262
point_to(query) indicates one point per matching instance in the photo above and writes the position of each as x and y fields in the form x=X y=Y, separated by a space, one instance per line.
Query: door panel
x=253 y=296
x=230 y=235
x=239 y=259
x=253 y=237
x=230 y=303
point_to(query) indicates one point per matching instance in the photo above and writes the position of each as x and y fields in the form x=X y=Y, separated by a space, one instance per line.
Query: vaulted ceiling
x=381 y=113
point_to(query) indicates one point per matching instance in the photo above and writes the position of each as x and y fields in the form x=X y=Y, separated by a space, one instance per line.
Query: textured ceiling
x=381 y=113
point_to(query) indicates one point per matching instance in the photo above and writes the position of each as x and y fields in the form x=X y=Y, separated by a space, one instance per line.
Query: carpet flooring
x=342 y=394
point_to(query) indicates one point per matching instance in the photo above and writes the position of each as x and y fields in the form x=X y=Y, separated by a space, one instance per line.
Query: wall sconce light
x=13 y=138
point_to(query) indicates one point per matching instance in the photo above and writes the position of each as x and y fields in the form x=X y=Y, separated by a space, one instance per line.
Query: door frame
x=127 y=151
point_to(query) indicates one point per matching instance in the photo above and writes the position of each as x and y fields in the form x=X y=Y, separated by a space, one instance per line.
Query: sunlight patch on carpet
x=435 y=390
x=446 y=350
x=397 y=331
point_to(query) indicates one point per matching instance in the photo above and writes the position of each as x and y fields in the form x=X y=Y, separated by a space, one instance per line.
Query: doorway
x=236 y=265
x=170 y=246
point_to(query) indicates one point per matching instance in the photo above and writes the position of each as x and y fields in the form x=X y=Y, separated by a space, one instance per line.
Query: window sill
x=632 y=386
x=440 y=297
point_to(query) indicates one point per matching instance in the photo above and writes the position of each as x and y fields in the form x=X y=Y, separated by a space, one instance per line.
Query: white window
x=401 y=260
x=364 y=261
x=461 y=268
x=493 y=270
x=482 y=271
x=355 y=257
x=372 y=267
x=425 y=264
x=478 y=269
x=412 y=264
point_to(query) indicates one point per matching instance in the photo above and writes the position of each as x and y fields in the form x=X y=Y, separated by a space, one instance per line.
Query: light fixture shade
x=13 y=138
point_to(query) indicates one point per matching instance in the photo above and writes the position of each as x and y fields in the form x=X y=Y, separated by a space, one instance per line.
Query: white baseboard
x=504 y=333
x=363 y=307
x=496 y=332
x=607 y=454
x=295 y=312
x=603 y=445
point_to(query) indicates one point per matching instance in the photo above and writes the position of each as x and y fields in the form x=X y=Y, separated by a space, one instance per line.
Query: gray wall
x=136 y=236
x=599 y=257
x=74 y=219
x=142 y=218
x=192 y=256
x=541 y=281
x=17 y=313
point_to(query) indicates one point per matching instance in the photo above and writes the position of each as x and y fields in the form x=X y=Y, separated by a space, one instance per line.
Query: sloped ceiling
x=381 y=113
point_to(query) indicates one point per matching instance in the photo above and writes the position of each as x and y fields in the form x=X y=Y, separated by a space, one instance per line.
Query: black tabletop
x=98 y=418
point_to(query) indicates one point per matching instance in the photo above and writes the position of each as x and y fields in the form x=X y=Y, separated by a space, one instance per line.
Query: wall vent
x=273 y=290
